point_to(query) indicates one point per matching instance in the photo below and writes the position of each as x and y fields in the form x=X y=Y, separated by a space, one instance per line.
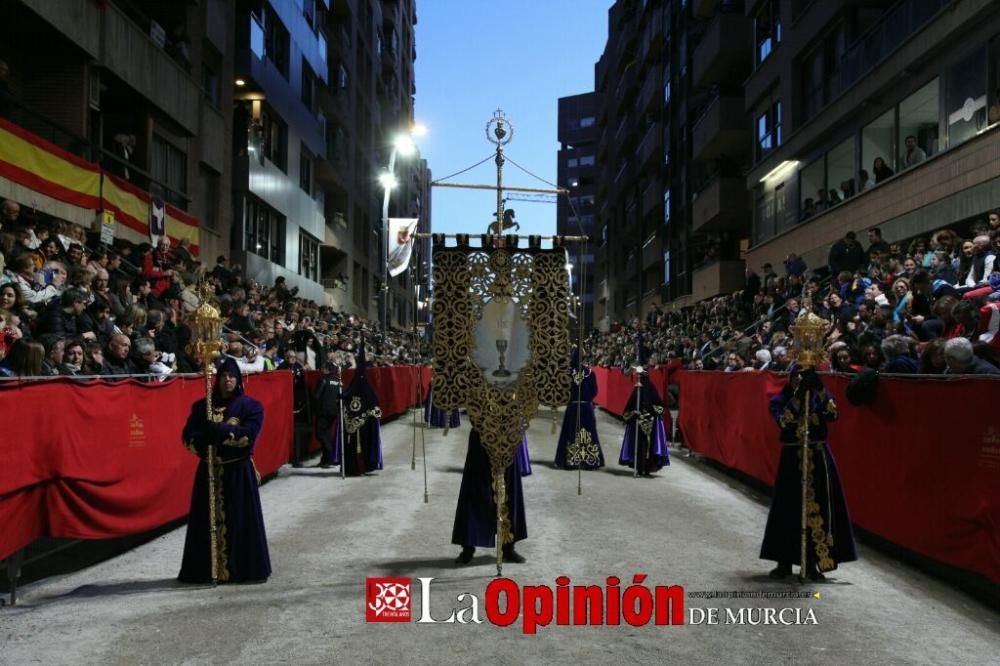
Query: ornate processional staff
x=206 y=330
x=809 y=331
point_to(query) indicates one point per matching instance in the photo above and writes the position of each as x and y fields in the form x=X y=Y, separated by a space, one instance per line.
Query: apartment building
x=577 y=171
x=907 y=92
x=119 y=111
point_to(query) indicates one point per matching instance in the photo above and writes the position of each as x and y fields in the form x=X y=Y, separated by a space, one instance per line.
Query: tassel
x=446 y=428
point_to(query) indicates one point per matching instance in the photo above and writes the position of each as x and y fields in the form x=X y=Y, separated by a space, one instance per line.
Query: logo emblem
x=387 y=599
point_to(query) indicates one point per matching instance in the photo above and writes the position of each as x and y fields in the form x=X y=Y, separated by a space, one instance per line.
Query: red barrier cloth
x=395 y=387
x=920 y=466
x=614 y=388
x=92 y=460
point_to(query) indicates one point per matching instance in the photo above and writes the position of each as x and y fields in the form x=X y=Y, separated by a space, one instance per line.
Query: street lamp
x=402 y=146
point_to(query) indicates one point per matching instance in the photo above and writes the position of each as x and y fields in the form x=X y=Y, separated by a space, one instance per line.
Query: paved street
x=687 y=526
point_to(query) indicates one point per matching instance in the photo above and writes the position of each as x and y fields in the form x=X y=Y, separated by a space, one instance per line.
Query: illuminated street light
x=403 y=146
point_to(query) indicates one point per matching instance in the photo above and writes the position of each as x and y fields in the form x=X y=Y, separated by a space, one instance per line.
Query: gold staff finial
x=808 y=332
x=500 y=132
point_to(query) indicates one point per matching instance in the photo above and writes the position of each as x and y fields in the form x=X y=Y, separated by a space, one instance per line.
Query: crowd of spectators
x=72 y=306
x=928 y=306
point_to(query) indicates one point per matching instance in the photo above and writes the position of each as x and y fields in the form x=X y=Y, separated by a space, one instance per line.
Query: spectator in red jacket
x=156 y=268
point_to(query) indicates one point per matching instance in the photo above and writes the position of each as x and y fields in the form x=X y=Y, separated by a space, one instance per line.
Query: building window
x=305 y=170
x=571 y=162
x=840 y=173
x=918 y=126
x=587 y=160
x=666 y=206
x=308 y=257
x=276 y=42
x=811 y=180
x=822 y=79
x=666 y=267
x=587 y=121
x=308 y=87
x=342 y=77
x=877 y=147
x=168 y=167
x=966 y=98
x=210 y=85
x=994 y=84
x=309 y=12
x=766 y=30
x=275 y=146
x=604 y=235
x=210 y=194
x=769 y=130
x=264 y=231
x=666 y=93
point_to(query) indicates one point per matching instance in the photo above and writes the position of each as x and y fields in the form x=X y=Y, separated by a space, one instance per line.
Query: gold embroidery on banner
x=466 y=280
x=233 y=421
x=217 y=415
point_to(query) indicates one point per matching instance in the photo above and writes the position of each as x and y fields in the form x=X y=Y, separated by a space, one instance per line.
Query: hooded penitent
x=232 y=427
x=579 y=444
x=362 y=422
x=644 y=423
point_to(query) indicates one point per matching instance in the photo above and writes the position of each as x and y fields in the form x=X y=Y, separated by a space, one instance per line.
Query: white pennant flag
x=401 y=231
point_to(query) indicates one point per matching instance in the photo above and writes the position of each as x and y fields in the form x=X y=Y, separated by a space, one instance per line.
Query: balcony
x=656 y=32
x=724 y=52
x=335 y=103
x=650 y=150
x=339 y=41
x=652 y=88
x=651 y=253
x=388 y=59
x=652 y=201
x=332 y=173
x=603 y=293
x=626 y=90
x=721 y=205
x=723 y=129
x=720 y=277
x=132 y=56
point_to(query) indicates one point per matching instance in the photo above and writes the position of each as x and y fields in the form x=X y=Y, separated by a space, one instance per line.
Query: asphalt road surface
x=686 y=526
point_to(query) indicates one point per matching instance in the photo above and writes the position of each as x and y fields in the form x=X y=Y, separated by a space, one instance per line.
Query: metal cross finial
x=500 y=132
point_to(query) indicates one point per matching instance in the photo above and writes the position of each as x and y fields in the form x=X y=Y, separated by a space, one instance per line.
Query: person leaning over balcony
x=914 y=154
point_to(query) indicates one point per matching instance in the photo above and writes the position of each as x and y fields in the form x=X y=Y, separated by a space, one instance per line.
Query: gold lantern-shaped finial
x=809 y=331
x=206 y=330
